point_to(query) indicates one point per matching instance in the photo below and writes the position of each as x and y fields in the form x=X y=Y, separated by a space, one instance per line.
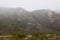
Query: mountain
x=19 y=20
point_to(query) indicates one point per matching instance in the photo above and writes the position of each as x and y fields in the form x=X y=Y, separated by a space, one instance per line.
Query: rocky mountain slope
x=19 y=20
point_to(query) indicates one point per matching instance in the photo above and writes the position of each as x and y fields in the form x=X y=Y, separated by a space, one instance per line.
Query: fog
x=31 y=5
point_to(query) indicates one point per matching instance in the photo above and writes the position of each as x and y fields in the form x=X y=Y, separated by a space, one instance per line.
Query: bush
x=20 y=35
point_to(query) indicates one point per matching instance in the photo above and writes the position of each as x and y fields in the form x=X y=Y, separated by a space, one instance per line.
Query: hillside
x=19 y=20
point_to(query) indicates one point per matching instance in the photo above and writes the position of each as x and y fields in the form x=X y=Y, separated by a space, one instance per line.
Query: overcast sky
x=31 y=4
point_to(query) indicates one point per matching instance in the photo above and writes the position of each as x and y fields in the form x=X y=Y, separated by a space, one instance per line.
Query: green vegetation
x=33 y=36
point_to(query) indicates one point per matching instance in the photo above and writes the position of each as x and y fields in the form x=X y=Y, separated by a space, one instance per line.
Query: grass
x=33 y=36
